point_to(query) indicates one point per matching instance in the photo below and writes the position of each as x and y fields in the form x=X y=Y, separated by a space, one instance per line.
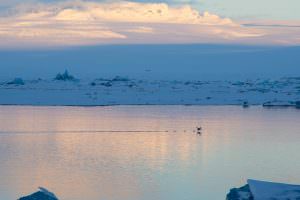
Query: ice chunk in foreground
x=42 y=194
x=242 y=193
x=262 y=190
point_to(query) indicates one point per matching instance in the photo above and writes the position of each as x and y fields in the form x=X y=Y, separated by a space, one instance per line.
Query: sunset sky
x=74 y=22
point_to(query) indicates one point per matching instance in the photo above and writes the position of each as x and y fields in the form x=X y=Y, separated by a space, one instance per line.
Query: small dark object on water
x=245 y=104
x=298 y=104
x=42 y=194
x=93 y=84
x=107 y=84
x=199 y=130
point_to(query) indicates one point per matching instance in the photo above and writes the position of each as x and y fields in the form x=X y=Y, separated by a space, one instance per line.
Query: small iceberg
x=242 y=193
x=120 y=79
x=16 y=81
x=42 y=194
x=279 y=104
x=64 y=77
x=263 y=190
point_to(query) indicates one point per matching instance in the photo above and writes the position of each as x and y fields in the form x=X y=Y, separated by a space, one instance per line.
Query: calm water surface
x=78 y=153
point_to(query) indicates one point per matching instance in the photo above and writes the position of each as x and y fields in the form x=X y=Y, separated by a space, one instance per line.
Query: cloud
x=122 y=11
x=86 y=22
x=137 y=12
x=142 y=29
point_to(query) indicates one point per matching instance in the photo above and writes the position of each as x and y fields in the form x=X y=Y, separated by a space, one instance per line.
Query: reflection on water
x=72 y=151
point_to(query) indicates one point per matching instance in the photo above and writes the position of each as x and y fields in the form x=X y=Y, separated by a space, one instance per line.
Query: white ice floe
x=125 y=91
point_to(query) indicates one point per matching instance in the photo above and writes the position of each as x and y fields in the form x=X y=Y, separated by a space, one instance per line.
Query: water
x=94 y=153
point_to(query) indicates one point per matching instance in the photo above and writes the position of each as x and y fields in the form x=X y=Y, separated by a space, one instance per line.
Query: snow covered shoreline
x=125 y=91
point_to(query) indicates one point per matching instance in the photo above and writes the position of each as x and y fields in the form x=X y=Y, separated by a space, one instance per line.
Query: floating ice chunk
x=242 y=193
x=64 y=77
x=42 y=194
x=279 y=104
x=47 y=192
x=16 y=81
x=262 y=190
x=121 y=79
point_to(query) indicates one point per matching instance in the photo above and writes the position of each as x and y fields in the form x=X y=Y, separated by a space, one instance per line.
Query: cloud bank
x=92 y=23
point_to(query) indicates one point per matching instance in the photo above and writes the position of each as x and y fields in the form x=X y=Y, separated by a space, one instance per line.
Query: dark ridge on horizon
x=185 y=45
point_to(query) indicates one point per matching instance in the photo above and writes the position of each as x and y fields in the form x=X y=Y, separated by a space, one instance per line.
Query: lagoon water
x=145 y=152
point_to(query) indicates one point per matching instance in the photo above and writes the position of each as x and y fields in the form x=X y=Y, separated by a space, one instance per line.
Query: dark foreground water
x=145 y=152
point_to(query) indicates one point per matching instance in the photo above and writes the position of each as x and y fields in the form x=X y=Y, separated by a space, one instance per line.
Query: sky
x=270 y=9
x=47 y=23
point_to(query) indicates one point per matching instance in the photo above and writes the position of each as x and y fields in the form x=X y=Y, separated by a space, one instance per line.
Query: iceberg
x=64 y=77
x=263 y=190
x=42 y=194
x=16 y=81
x=242 y=193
